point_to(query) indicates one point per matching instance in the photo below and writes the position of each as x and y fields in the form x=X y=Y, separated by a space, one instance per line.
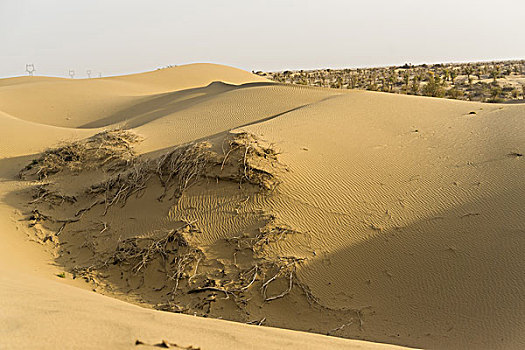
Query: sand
x=357 y=215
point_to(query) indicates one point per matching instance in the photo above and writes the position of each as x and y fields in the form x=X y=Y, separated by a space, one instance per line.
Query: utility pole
x=30 y=69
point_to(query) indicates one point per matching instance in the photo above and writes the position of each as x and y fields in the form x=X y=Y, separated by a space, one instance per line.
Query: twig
x=340 y=327
x=208 y=289
x=285 y=292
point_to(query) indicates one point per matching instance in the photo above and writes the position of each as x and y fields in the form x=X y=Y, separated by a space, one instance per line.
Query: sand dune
x=361 y=215
x=74 y=103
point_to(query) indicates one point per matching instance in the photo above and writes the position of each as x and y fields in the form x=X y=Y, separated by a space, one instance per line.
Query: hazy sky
x=116 y=37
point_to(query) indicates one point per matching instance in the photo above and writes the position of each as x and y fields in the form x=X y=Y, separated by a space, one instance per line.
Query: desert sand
x=312 y=217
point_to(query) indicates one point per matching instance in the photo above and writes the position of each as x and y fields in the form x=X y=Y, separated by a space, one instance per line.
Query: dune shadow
x=153 y=107
x=452 y=281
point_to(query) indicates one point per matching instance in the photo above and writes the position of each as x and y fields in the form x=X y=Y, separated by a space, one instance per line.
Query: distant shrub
x=454 y=93
x=495 y=93
x=433 y=87
x=416 y=84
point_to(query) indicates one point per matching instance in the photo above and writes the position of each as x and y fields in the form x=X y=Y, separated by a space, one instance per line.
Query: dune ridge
x=394 y=219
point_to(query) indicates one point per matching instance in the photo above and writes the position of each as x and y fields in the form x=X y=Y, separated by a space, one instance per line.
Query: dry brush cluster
x=484 y=81
x=244 y=160
x=191 y=277
x=191 y=281
x=111 y=150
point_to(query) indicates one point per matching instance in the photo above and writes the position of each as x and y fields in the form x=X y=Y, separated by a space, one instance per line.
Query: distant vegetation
x=483 y=81
x=168 y=66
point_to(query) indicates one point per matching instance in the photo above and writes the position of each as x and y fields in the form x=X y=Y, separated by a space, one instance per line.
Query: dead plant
x=183 y=166
x=173 y=251
x=109 y=150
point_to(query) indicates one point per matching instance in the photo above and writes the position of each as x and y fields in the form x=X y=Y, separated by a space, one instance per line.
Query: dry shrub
x=179 y=168
x=183 y=166
x=247 y=160
x=117 y=189
x=172 y=251
x=190 y=277
x=255 y=161
x=108 y=150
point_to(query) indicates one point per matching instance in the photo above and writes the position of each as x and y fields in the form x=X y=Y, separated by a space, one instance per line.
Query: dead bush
x=108 y=150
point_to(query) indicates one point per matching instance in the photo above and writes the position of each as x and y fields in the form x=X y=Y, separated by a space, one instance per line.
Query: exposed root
x=257 y=322
x=42 y=193
x=290 y=286
x=271 y=233
x=259 y=245
x=36 y=217
x=289 y=270
x=256 y=160
x=140 y=251
x=340 y=327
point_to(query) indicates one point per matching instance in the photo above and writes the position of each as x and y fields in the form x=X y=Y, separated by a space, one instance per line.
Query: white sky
x=126 y=36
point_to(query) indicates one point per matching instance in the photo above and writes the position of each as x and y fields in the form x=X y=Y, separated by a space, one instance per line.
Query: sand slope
x=76 y=102
x=416 y=225
x=403 y=215
x=44 y=314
